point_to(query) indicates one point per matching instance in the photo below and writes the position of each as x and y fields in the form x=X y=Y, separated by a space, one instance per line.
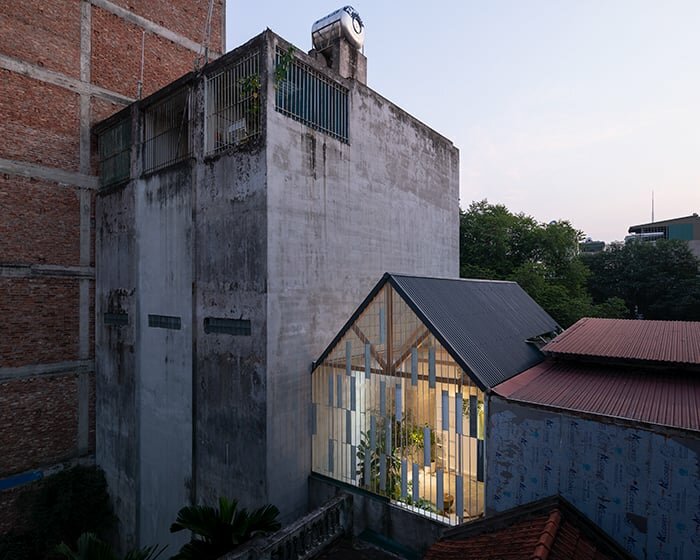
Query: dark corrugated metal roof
x=664 y=397
x=483 y=324
x=655 y=341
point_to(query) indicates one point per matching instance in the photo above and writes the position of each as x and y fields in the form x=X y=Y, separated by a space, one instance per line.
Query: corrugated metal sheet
x=658 y=341
x=663 y=397
x=483 y=323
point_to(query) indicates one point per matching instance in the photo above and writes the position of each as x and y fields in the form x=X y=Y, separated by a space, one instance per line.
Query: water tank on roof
x=345 y=22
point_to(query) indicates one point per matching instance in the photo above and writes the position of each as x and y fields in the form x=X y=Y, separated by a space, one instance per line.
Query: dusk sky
x=570 y=110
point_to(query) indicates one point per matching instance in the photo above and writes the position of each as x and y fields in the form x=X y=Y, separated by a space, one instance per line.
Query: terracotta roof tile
x=548 y=530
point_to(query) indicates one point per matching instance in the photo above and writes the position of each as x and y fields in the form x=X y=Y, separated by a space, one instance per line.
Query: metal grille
x=167 y=136
x=115 y=149
x=236 y=327
x=164 y=322
x=233 y=104
x=311 y=98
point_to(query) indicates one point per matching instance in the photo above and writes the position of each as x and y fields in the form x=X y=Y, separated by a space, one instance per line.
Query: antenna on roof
x=652 y=206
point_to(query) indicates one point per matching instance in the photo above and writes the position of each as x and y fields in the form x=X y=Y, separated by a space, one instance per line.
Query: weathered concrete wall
x=117 y=441
x=641 y=487
x=231 y=283
x=374 y=513
x=289 y=232
x=339 y=216
x=163 y=215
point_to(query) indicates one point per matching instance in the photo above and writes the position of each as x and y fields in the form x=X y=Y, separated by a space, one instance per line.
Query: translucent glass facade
x=393 y=413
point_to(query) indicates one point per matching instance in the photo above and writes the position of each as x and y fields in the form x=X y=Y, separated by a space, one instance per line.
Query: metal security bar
x=233 y=104
x=167 y=131
x=311 y=98
x=115 y=150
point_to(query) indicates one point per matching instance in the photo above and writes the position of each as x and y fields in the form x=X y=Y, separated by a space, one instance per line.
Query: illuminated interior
x=395 y=414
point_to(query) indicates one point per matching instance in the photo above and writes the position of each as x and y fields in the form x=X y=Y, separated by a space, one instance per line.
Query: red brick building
x=65 y=65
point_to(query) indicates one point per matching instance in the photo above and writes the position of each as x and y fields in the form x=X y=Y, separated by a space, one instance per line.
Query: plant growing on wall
x=250 y=96
x=285 y=59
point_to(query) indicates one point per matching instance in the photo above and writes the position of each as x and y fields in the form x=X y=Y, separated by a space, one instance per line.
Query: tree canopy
x=656 y=280
x=542 y=257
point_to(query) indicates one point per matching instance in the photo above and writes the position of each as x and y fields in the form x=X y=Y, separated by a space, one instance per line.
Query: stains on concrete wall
x=163 y=219
x=339 y=216
x=642 y=487
x=230 y=375
x=116 y=411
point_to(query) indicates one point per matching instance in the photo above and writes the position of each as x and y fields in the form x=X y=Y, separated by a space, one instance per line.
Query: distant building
x=590 y=246
x=243 y=212
x=611 y=421
x=685 y=229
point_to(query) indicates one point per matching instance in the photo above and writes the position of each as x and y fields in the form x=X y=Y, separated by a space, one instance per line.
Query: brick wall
x=42 y=123
x=39 y=418
x=42 y=33
x=185 y=18
x=40 y=222
x=40 y=320
x=116 y=56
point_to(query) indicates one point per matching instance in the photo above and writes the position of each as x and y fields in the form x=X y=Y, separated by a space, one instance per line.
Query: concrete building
x=686 y=229
x=244 y=211
x=611 y=422
x=65 y=65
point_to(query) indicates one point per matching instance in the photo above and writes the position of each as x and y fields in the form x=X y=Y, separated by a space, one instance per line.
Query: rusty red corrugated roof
x=666 y=397
x=656 y=341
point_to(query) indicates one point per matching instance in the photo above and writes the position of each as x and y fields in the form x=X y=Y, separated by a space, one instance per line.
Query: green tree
x=542 y=258
x=657 y=280
x=220 y=530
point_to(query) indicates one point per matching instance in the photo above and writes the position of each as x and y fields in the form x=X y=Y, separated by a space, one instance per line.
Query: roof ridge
x=548 y=536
